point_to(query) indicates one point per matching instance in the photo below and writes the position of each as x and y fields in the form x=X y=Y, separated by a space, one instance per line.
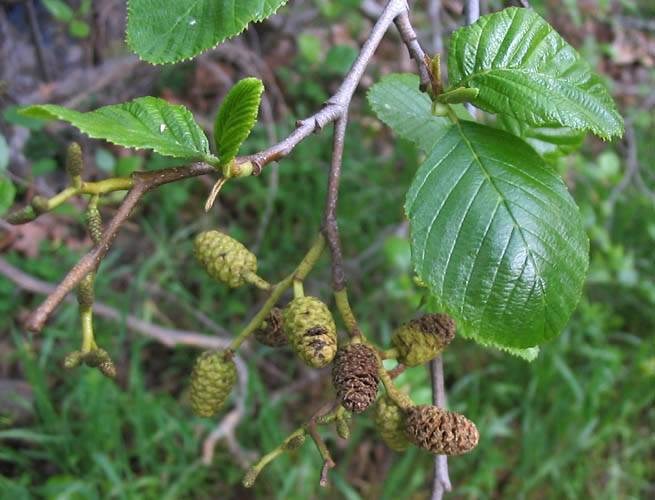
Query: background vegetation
x=575 y=423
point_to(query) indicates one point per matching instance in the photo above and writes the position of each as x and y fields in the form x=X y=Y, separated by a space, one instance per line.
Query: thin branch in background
x=408 y=36
x=472 y=13
x=274 y=176
x=167 y=336
x=631 y=172
x=328 y=462
x=371 y=9
x=201 y=317
x=434 y=14
x=37 y=39
x=440 y=477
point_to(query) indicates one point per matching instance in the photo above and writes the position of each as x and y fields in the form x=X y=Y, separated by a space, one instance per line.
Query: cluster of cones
x=307 y=325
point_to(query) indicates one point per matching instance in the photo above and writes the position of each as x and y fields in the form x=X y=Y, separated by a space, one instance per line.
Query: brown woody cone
x=271 y=331
x=355 y=377
x=440 y=431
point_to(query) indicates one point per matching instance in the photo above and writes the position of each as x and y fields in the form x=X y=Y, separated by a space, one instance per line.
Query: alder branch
x=335 y=109
x=336 y=106
x=326 y=414
x=143 y=182
x=331 y=227
x=410 y=39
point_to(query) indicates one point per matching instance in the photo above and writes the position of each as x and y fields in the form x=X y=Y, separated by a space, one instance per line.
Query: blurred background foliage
x=575 y=423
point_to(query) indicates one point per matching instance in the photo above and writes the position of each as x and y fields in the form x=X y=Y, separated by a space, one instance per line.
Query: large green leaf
x=398 y=102
x=523 y=68
x=144 y=123
x=496 y=237
x=167 y=31
x=236 y=117
x=549 y=142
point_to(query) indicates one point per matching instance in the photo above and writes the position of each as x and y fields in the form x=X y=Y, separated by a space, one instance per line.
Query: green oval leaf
x=167 y=31
x=524 y=68
x=144 y=123
x=236 y=117
x=398 y=102
x=496 y=237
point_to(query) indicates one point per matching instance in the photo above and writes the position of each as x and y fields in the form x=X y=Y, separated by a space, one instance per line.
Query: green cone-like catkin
x=271 y=331
x=212 y=379
x=311 y=331
x=294 y=443
x=390 y=423
x=100 y=359
x=94 y=223
x=22 y=216
x=224 y=258
x=74 y=160
x=440 y=431
x=85 y=291
x=355 y=377
x=73 y=360
x=423 y=339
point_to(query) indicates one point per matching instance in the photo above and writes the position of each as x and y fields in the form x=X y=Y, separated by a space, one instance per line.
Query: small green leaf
x=59 y=10
x=525 y=69
x=7 y=193
x=549 y=142
x=496 y=237
x=144 y=123
x=309 y=48
x=339 y=59
x=168 y=31
x=79 y=29
x=236 y=117
x=398 y=102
